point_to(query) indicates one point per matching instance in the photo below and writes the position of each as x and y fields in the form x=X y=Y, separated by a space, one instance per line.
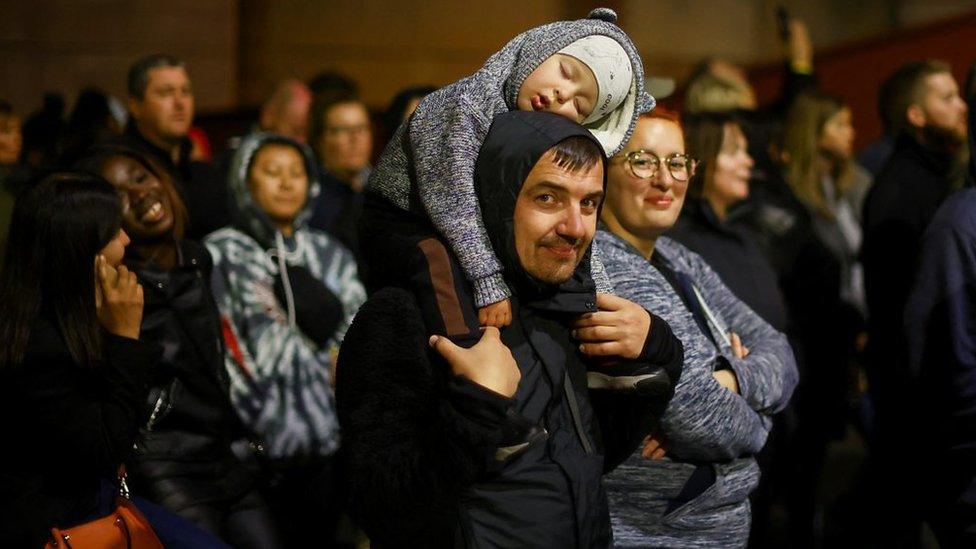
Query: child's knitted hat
x=610 y=65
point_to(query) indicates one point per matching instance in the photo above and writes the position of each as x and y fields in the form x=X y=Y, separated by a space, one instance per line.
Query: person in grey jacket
x=688 y=486
x=586 y=70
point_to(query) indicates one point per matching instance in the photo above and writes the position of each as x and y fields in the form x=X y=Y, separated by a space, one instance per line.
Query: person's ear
x=915 y=116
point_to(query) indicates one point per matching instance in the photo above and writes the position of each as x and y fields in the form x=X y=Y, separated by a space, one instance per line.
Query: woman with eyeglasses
x=688 y=485
x=714 y=222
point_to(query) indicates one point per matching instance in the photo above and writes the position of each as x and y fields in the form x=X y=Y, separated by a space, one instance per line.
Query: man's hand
x=653 y=449
x=489 y=363
x=619 y=328
x=497 y=314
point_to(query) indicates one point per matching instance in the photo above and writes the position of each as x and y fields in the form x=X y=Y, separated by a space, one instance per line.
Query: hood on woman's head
x=582 y=39
x=247 y=215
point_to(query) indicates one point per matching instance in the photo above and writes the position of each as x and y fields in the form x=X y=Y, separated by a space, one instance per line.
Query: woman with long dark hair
x=73 y=372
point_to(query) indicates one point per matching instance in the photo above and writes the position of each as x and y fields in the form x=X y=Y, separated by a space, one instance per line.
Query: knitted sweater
x=428 y=166
x=705 y=423
x=280 y=379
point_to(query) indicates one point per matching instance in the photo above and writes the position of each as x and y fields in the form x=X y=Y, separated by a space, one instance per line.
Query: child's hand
x=497 y=314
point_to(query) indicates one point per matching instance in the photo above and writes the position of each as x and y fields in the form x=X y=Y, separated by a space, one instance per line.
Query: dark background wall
x=238 y=49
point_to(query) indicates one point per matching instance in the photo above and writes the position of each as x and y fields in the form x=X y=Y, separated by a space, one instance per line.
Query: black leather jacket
x=191 y=423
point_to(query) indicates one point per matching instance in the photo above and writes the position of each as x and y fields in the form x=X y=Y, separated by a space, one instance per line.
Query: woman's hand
x=727 y=379
x=497 y=314
x=120 y=305
x=653 y=448
x=489 y=363
x=739 y=350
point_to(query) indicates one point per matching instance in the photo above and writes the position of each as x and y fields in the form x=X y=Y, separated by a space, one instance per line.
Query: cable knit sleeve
x=445 y=143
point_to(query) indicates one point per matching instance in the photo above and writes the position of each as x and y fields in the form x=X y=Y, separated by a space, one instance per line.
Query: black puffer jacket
x=183 y=455
x=420 y=443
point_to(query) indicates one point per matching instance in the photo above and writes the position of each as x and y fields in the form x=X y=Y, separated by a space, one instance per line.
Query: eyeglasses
x=644 y=165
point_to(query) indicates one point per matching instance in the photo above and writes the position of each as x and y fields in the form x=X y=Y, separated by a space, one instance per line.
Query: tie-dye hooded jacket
x=280 y=379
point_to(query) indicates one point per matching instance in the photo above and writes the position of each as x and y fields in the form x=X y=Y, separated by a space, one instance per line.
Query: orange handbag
x=124 y=528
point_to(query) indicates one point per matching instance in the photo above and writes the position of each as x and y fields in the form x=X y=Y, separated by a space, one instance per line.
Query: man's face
x=346 y=144
x=289 y=118
x=555 y=218
x=165 y=112
x=563 y=85
x=942 y=108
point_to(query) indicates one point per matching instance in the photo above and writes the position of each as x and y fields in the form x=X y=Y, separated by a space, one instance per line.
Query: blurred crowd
x=180 y=306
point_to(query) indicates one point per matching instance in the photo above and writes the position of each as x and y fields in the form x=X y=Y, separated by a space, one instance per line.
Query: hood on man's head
x=528 y=50
x=515 y=143
x=247 y=215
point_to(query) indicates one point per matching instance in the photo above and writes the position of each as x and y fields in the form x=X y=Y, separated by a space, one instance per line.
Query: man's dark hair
x=5 y=108
x=327 y=85
x=576 y=154
x=138 y=79
x=903 y=88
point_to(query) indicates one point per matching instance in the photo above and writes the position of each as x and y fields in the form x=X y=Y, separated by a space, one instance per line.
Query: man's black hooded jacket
x=420 y=444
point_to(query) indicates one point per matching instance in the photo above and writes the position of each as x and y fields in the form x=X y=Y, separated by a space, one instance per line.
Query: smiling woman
x=151 y=207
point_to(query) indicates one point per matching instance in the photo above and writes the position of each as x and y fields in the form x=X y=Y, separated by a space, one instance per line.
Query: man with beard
x=501 y=444
x=905 y=196
x=940 y=322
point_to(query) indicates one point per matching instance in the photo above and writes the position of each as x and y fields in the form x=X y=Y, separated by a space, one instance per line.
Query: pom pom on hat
x=603 y=14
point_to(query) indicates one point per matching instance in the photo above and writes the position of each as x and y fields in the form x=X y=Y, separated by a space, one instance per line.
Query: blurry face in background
x=147 y=214
x=730 y=72
x=646 y=208
x=563 y=85
x=942 y=108
x=165 y=112
x=729 y=181
x=837 y=136
x=347 y=142
x=279 y=183
x=10 y=139
x=289 y=117
x=411 y=106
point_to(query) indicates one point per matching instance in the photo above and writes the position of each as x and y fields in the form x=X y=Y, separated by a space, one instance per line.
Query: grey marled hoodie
x=705 y=423
x=437 y=149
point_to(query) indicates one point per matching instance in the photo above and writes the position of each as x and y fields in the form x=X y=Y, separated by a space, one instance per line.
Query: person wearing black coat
x=184 y=458
x=437 y=459
x=940 y=323
x=79 y=427
x=74 y=372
